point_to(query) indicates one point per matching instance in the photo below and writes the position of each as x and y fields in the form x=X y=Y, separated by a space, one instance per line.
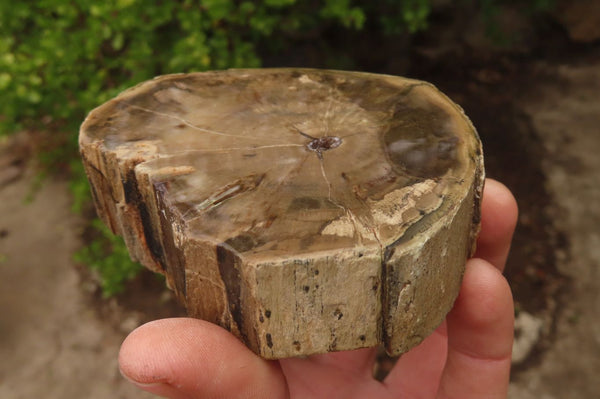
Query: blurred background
x=526 y=72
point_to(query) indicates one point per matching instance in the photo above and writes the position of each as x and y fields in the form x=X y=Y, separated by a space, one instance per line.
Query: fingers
x=415 y=372
x=498 y=220
x=189 y=358
x=480 y=333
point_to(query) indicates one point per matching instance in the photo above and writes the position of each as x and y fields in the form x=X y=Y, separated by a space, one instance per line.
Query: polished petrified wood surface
x=306 y=211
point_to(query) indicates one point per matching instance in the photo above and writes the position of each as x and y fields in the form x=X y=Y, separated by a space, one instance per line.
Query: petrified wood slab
x=306 y=211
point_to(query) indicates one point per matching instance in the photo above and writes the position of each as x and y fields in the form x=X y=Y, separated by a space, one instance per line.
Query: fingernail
x=142 y=385
x=157 y=388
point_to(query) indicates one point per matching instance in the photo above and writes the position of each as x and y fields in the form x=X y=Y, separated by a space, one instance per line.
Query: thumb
x=189 y=358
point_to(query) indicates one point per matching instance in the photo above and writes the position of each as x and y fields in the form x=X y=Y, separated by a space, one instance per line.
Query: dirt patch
x=145 y=298
x=52 y=343
x=566 y=111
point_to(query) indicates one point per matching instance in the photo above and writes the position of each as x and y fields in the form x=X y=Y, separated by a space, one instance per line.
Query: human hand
x=468 y=356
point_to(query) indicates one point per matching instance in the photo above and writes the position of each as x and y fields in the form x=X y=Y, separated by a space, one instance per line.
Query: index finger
x=498 y=220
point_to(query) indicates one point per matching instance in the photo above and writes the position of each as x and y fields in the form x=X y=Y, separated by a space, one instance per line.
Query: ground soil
x=539 y=119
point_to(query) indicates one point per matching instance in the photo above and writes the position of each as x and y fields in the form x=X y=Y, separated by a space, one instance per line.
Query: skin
x=468 y=356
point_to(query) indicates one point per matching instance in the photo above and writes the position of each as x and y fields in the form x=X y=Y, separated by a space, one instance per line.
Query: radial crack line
x=346 y=210
x=321 y=163
x=326 y=117
x=188 y=123
x=211 y=150
x=284 y=176
x=346 y=115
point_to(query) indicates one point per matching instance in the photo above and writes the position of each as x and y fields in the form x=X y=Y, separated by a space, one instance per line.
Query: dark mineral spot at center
x=324 y=143
x=320 y=144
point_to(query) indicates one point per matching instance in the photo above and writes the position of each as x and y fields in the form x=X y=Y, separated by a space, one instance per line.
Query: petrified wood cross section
x=306 y=211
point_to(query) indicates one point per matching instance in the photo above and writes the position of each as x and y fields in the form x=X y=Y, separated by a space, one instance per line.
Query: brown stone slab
x=304 y=210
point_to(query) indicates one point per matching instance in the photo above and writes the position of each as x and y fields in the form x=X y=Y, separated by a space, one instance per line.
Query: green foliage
x=107 y=255
x=350 y=17
x=60 y=59
x=407 y=15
